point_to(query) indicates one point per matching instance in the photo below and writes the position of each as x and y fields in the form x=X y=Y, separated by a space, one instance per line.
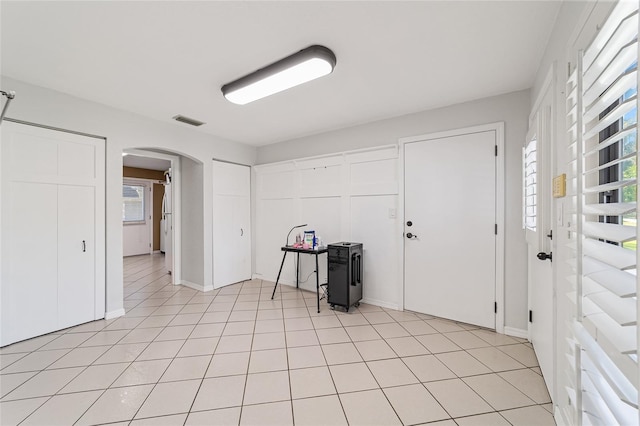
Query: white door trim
x=498 y=127
x=176 y=271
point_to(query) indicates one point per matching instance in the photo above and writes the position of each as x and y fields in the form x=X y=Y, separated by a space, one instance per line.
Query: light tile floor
x=234 y=356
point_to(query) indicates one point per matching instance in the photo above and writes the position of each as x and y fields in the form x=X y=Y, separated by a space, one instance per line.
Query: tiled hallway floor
x=234 y=356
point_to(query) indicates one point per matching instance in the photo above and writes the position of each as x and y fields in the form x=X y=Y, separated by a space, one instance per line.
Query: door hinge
x=496 y=229
x=530 y=315
x=496 y=150
x=495 y=307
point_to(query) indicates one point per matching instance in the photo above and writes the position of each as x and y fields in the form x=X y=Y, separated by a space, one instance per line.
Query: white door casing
x=541 y=291
x=450 y=196
x=231 y=223
x=53 y=230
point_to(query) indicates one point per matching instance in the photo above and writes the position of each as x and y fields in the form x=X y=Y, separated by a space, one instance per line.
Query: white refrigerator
x=166 y=225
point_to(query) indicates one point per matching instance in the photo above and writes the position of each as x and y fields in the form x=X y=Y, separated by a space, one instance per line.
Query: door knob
x=544 y=256
x=411 y=236
x=409 y=223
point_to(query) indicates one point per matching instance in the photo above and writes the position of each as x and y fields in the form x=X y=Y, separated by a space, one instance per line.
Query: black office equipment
x=345 y=274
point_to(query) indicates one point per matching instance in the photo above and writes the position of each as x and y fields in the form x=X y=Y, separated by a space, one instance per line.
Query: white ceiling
x=159 y=59
x=146 y=162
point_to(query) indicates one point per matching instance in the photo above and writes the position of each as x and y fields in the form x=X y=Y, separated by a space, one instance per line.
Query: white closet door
x=231 y=223
x=76 y=254
x=242 y=221
x=52 y=200
x=29 y=263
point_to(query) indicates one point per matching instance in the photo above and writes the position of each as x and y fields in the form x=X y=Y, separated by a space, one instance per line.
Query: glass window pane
x=132 y=203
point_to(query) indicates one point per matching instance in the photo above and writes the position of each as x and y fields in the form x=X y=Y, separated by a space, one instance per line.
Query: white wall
x=512 y=108
x=344 y=197
x=192 y=219
x=126 y=130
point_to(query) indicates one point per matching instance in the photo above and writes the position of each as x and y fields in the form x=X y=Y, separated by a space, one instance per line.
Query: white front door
x=52 y=231
x=449 y=229
x=136 y=217
x=231 y=223
x=539 y=234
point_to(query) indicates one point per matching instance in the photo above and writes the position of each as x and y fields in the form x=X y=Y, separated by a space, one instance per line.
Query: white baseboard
x=380 y=303
x=114 y=314
x=516 y=332
x=199 y=287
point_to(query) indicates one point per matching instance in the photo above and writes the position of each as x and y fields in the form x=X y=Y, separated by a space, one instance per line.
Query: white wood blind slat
x=620 y=283
x=617 y=74
x=613 y=255
x=615 y=115
x=610 y=186
x=610 y=209
x=622 y=311
x=609 y=231
x=616 y=137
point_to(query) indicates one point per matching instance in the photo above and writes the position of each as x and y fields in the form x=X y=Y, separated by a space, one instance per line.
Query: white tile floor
x=234 y=356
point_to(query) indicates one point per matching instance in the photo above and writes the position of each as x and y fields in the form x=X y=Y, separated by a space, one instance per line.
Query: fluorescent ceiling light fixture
x=305 y=65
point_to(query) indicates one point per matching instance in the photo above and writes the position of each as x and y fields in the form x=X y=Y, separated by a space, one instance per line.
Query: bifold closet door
x=29 y=259
x=52 y=235
x=76 y=252
x=231 y=223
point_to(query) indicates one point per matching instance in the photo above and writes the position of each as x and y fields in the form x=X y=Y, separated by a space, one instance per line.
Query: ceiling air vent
x=188 y=120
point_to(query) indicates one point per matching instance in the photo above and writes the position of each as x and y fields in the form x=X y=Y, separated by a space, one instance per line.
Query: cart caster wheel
x=357 y=304
x=333 y=307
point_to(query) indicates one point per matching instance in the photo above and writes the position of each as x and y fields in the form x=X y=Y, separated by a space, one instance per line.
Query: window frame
x=145 y=201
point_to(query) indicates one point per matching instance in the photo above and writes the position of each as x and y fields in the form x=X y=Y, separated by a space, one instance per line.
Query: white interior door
x=231 y=223
x=29 y=258
x=136 y=217
x=450 y=219
x=76 y=254
x=52 y=241
x=539 y=233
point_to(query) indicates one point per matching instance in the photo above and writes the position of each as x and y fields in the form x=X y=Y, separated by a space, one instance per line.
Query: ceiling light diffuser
x=301 y=67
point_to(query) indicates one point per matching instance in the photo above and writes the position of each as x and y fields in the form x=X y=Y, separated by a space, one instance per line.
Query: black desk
x=297 y=251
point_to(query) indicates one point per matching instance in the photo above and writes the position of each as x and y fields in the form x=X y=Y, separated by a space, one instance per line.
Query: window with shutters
x=602 y=103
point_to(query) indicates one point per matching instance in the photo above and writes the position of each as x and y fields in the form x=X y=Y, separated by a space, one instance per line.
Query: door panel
x=541 y=291
x=231 y=223
x=450 y=200
x=30 y=268
x=76 y=254
x=48 y=207
x=242 y=217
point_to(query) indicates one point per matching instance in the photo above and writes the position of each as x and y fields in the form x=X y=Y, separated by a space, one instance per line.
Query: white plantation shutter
x=530 y=190
x=602 y=107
